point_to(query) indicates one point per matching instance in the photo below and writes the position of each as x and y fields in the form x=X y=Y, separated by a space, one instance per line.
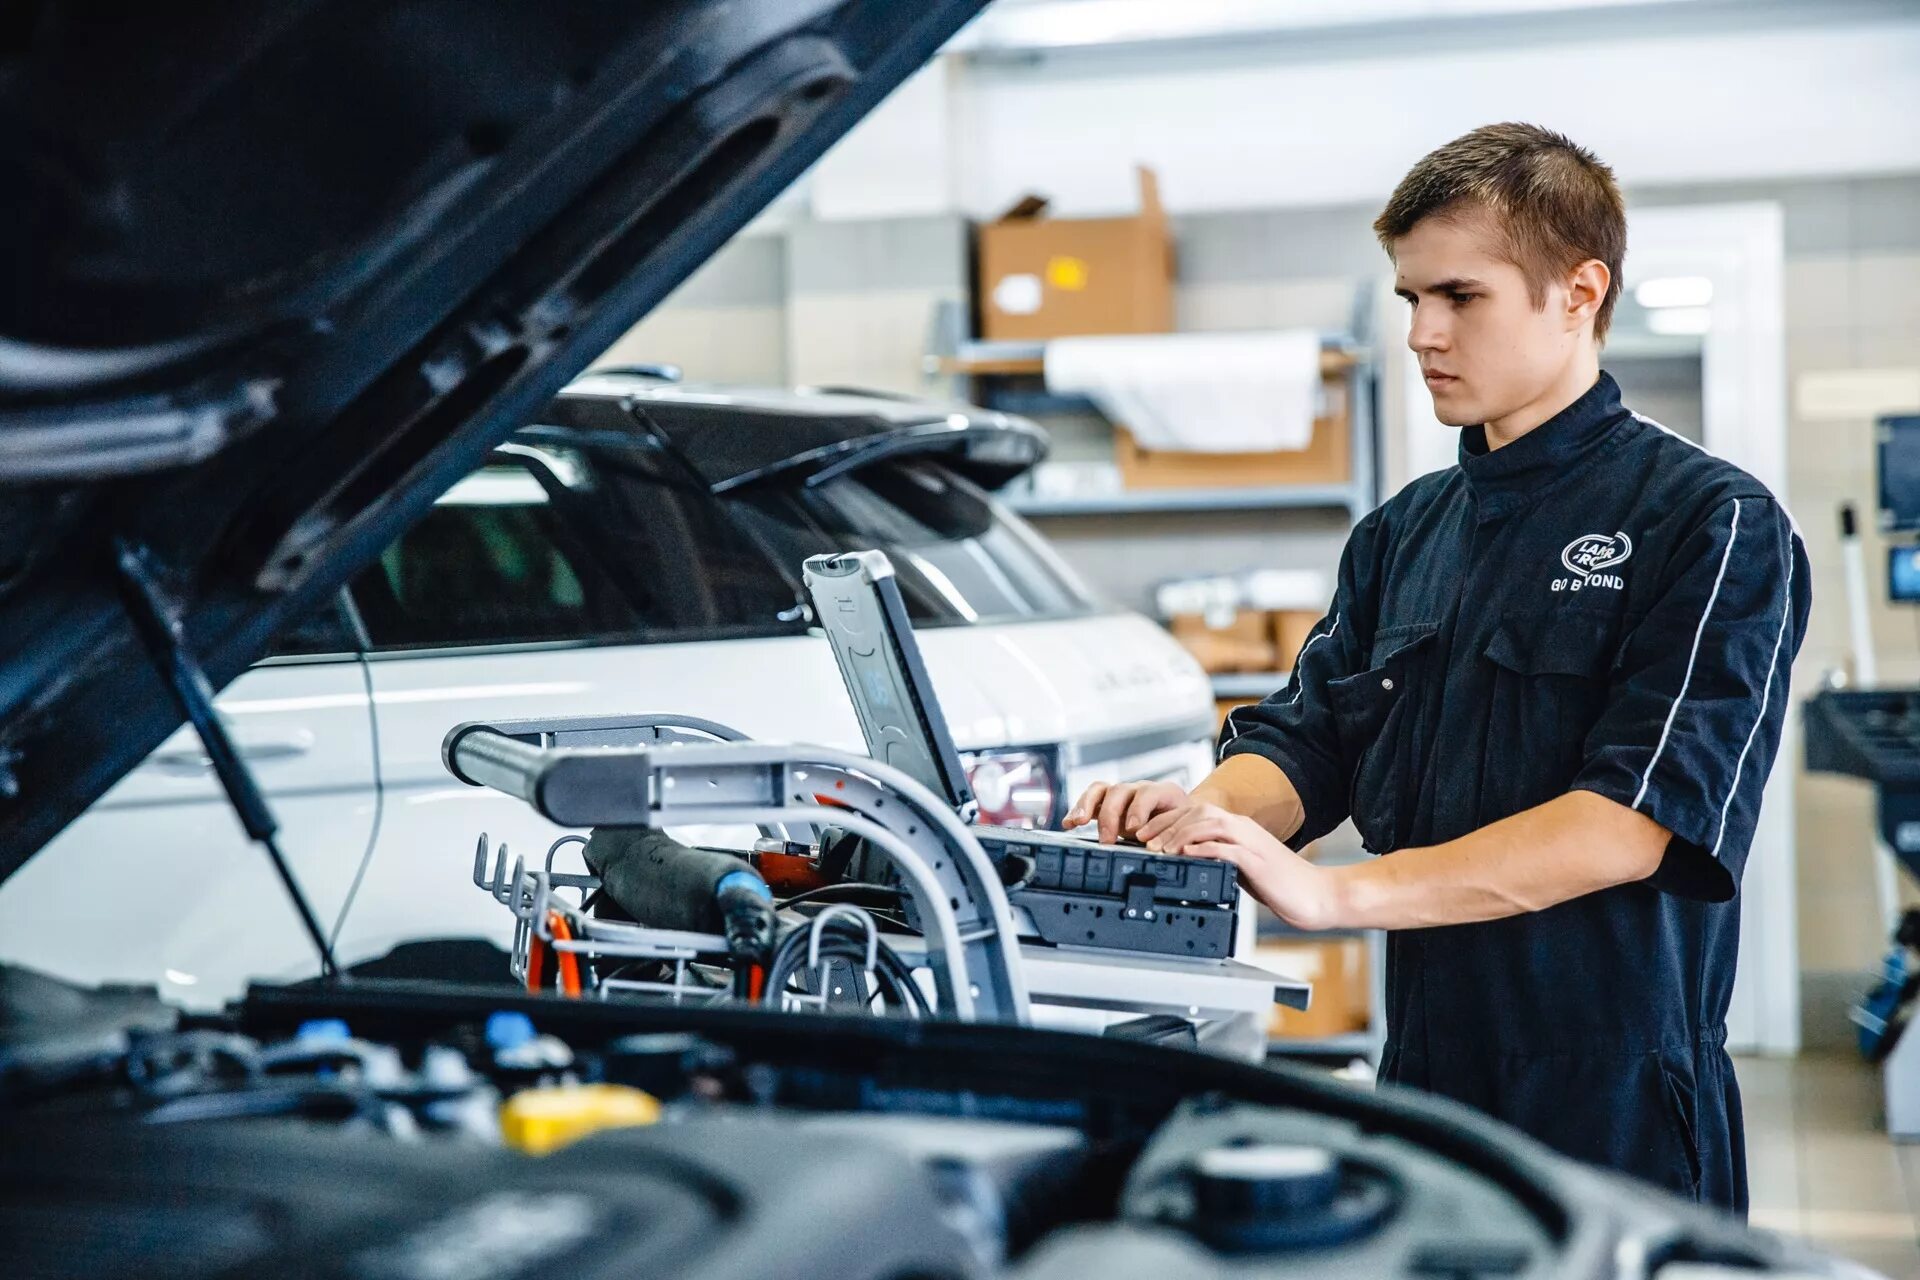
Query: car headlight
x=1015 y=788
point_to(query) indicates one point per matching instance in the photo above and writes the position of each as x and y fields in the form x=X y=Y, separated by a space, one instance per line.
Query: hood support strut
x=157 y=617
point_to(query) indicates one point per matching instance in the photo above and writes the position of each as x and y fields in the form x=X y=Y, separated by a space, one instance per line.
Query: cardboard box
x=1342 y=987
x=1327 y=460
x=1042 y=278
x=1245 y=644
x=1291 y=628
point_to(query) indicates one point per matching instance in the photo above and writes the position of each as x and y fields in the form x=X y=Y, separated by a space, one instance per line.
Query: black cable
x=895 y=921
x=379 y=779
x=845 y=888
x=855 y=955
x=1016 y=871
x=845 y=940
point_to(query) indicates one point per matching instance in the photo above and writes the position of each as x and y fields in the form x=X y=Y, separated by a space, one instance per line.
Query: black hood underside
x=277 y=275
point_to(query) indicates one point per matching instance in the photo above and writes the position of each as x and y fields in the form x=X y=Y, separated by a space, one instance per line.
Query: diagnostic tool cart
x=950 y=915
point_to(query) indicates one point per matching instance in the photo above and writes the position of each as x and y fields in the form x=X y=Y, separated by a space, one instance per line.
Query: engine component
x=660 y=882
x=539 y=1121
x=1271 y=1197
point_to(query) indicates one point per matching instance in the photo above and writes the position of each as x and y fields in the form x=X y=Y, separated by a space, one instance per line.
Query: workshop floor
x=1821 y=1165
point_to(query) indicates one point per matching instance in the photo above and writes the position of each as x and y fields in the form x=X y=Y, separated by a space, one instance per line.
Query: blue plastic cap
x=743 y=879
x=508 y=1030
x=323 y=1030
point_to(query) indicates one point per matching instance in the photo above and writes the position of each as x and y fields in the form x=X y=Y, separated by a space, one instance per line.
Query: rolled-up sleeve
x=1295 y=728
x=1698 y=696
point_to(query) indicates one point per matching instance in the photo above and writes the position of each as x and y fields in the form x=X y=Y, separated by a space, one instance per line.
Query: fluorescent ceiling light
x=1064 y=24
x=1680 y=320
x=1674 y=291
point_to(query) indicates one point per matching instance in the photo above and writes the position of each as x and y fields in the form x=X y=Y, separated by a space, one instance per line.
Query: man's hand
x=1123 y=808
x=1291 y=887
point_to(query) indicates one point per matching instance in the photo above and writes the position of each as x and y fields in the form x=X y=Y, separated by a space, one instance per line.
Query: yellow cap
x=536 y=1121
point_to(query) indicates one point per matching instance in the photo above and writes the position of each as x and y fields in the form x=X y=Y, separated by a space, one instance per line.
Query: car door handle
x=195 y=759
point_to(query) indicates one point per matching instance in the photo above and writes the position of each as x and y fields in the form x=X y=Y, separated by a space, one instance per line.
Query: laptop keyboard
x=1106 y=869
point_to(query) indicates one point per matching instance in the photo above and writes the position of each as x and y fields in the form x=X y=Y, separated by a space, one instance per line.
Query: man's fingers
x=1192 y=828
x=1145 y=804
x=1218 y=851
x=1113 y=810
x=1087 y=805
x=1167 y=839
x=1125 y=808
x=1158 y=823
x=1172 y=839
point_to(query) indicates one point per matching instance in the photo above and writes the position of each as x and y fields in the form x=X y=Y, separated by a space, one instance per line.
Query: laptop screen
x=857 y=603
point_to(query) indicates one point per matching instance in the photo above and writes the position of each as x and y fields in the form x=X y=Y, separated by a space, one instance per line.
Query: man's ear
x=1586 y=289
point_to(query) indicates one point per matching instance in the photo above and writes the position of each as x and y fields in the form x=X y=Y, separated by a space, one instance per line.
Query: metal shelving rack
x=1367 y=1043
x=1256 y=684
x=984 y=366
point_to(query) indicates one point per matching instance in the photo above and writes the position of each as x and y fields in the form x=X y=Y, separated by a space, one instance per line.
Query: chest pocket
x=1377 y=714
x=1550 y=684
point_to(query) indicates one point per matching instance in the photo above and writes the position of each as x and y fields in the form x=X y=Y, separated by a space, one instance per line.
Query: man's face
x=1486 y=350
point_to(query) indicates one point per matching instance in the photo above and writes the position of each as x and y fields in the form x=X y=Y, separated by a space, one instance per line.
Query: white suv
x=638 y=550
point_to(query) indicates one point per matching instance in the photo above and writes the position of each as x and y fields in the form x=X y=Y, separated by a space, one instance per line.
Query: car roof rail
x=870 y=393
x=663 y=372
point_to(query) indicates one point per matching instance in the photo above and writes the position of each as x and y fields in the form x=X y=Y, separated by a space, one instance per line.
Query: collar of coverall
x=1504 y=479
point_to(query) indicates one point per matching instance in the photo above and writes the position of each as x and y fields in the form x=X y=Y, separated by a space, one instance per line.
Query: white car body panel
x=157 y=883
x=161 y=885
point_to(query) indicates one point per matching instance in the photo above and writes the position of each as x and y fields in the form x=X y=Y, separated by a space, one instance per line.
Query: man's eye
x=1461 y=299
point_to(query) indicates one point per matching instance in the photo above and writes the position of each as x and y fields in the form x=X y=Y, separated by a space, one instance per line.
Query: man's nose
x=1427 y=333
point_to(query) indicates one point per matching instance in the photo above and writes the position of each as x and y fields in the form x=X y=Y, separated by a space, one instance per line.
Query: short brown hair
x=1555 y=204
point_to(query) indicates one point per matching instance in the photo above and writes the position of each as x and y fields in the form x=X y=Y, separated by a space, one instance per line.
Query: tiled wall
x=852 y=302
x=861 y=298
x=727 y=323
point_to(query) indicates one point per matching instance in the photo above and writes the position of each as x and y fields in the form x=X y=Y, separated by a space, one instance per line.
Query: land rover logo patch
x=1589 y=556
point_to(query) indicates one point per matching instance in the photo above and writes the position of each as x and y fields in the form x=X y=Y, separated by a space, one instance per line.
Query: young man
x=1551 y=684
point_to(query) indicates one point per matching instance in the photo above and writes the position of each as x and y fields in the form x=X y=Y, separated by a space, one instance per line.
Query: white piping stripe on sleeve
x=1786 y=616
x=1697 y=447
x=1646 y=779
x=1299 y=685
x=1661 y=426
x=1233 y=732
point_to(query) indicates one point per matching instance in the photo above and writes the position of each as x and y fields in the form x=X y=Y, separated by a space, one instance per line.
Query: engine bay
x=433 y=1131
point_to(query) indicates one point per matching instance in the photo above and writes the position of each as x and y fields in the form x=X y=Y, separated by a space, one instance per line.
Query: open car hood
x=278 y=275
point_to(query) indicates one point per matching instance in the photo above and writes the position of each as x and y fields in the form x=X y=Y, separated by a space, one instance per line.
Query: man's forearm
x=1575 y=845
x=1257 y=788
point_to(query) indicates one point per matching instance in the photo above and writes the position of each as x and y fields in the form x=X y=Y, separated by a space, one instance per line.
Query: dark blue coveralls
x=1598 y=606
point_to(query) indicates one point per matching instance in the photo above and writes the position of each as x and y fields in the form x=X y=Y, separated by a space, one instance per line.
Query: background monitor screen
x=1903 y=575
x=1900 y=473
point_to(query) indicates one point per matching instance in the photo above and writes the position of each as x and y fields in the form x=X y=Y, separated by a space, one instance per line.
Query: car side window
x=549 y=542
x=494 y=562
